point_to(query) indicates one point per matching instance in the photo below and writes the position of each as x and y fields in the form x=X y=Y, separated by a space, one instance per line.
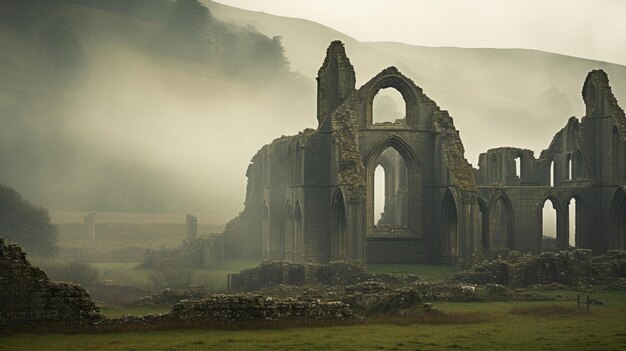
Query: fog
x=129 y=128
x=107 y=106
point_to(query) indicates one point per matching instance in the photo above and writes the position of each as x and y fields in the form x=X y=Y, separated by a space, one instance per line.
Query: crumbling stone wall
x=336 y=273
x=570 y=268
x=311 y=196
x=194 y=251
x=29 y=298
x=244 y=307
x=583 y=163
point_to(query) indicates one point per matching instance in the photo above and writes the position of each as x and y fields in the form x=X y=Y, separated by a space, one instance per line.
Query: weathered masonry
x=311 y=196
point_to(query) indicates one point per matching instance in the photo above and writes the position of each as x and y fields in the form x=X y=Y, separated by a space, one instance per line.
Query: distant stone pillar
x=89 y=223
x=192 y=227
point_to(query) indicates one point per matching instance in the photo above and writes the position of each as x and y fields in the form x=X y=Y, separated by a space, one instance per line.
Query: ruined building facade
x=311 y=196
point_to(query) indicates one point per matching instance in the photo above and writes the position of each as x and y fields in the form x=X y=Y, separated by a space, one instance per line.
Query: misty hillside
x=120 y=106
x=159 y=105
x=521 y=97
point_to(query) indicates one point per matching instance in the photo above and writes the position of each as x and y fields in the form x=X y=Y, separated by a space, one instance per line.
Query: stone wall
x=29 y=298
x=337 y=273
x=570 y=268
x=243 y=307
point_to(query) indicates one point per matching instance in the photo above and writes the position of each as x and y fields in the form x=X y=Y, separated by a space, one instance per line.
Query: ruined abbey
x=310 y=196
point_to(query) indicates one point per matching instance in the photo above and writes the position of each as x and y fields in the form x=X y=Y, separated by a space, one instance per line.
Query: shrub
x=74 y=272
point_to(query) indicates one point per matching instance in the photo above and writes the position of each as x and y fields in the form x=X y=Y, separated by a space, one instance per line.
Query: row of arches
x=557 y=225
x=289 y=243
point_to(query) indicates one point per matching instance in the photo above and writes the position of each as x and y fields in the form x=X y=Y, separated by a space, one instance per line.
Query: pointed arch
x=288 y=231
x=616 y=153
x=483 y=221
x=578 y=165
x=338 y=235
x=298 y=232
x=547 y=242
x=576 y=222
x=392 y=78
x=617 y=219
x=412 y=183
x=449 y=236
x=500 y=223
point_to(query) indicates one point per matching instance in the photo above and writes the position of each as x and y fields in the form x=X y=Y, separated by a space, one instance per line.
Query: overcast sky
x=594 y=29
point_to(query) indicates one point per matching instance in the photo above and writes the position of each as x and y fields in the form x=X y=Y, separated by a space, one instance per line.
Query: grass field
x=506 y=326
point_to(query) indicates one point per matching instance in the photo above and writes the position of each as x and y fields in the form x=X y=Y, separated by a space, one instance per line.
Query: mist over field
x=140 y=106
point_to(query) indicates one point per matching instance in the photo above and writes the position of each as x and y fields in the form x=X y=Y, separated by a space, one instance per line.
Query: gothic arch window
x=577 y=165
x=397 y=83
x=388 y=106
x=549 y=236
x=616 y=154
x=403 y=205
x=617 y=219
x=449 y=226
x=500 y=224
x=339 y=226
x=483 y=221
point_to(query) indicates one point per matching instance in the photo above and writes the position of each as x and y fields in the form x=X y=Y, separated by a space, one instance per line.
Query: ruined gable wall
x=272 y=175
x=29 y=298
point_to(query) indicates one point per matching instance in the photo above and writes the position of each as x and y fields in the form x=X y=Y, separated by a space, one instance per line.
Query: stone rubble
x=336 y=273
x=247 y=306
x=569 y=268
x=29 y=298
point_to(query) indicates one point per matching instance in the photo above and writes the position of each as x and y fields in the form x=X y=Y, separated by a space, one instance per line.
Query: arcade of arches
x=383 y=178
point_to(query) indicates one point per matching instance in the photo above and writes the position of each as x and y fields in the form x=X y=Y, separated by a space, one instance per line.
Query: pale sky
x=594 y=29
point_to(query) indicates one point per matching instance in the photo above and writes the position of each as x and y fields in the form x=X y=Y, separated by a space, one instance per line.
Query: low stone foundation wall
x=244 y=307
x=338 y=273
x=29 y=298
x=570 y=268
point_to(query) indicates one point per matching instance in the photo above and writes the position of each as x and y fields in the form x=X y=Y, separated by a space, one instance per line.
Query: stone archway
x=617 y=219
x=339 y=228
x=449 y=226
x=412 y=182
x=500 y=223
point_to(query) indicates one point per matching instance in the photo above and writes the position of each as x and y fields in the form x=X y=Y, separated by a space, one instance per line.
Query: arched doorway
x=298 y=232
x=339 y=229
x=500 y=224
x=483 y=223
x=617 y=219
x=288 y=232
x=449 y=227
x=400 y=188
x=548 y=220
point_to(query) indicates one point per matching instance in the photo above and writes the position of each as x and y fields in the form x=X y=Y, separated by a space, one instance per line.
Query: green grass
x=123 y=273
x=503 y=328
x=424 y=271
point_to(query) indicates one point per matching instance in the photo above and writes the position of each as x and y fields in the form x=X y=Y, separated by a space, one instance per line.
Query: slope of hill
x=140 y=128
x=520 y=97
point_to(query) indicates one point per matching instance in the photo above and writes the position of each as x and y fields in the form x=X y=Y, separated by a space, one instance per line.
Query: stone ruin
x=311 y=196
x=336 y=273
x=194 y=252
x=576 y=268
x=244 y=307
x=29 y=298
